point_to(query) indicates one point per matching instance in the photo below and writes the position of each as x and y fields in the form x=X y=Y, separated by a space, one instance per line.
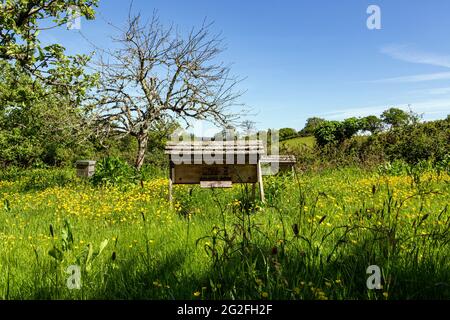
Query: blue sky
x=311 y=58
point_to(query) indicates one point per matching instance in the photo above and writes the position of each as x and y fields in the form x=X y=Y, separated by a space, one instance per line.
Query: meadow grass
x=298 y=142
x=313 y=239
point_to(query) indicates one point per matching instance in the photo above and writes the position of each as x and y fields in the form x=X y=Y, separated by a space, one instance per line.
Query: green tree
x=21 y=22
x=349 y=127
x=337 y=131
x=287 y=133
x=42 y=90
x=328 y=132
x=311 y=125
x=395 y=117
x=373 y=124
x=38 y=123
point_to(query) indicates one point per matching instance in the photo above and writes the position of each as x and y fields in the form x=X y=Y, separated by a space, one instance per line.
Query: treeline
x=396 y=135
x=328 y=131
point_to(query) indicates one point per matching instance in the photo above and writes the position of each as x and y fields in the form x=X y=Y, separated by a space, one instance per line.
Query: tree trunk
x=142 y=148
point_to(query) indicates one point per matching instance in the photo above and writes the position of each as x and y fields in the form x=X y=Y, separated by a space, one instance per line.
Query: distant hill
x=298 y=142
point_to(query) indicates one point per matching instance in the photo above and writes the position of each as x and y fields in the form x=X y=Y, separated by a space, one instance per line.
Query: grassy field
x=313 y=239
x=299 y=142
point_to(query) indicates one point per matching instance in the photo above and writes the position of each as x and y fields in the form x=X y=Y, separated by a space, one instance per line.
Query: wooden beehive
x=85 y=168
x=279 y=163
x=214 y=164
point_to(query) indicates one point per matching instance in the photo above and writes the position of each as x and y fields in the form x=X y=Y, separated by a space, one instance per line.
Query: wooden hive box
x=282 y=163
x=214 y=164
x=85 y=168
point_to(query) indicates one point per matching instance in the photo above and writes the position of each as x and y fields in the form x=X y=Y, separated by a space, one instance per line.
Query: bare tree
x=248 y=127
x=157 y=75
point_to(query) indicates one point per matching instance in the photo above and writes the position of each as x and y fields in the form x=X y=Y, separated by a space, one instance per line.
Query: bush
x=287 y=133
x=396 y=168
x=444 y=164
x=113 y=171
x=326 y=133
x=45 y=178
x=425 y=141
x=39 y=179
x=413 y=144
x=151 y=171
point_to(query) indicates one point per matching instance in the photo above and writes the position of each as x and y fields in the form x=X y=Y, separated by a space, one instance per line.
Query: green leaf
x=56 y=254
x=102 y=246
x=67 y=236
x=89 y=256
x=7 y=205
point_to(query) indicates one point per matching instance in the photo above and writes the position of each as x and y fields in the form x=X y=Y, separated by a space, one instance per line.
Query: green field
x=299 y=142
x=313 y=239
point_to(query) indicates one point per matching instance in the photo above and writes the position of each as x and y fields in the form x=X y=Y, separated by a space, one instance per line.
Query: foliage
x=20 y=24
x=424 y=141
x=287 y=133
x=38 y=179
x=328 y=132
x=112 y=171
x=332 y=132
x=413 y=141
x=43 y=109
x=396 y=168
x=349 y=128
x=395 y=117
x=310 y=127
x=444 y=164
x=373 y=124
x=38 y=124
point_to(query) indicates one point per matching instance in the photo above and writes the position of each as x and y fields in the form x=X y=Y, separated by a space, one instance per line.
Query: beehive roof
x=286 y=159
x=216 y=147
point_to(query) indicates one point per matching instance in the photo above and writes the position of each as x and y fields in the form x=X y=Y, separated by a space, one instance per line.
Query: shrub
x=430 y=140
x=113 y=171
x=396 y=168
x=326 y=132
x=287 y=133
x=39 y=179
x=414 y=143
x=444 y=164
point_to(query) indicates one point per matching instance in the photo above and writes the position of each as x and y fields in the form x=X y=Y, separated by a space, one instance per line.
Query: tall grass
x=313 y=239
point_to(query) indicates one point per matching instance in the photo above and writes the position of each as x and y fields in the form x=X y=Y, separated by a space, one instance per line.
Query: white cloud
x=406 y=53
x=437 y=107
x=417 y=78
x=438 y=91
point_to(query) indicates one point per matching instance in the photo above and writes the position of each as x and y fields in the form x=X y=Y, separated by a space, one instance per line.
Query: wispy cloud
x=409 y=54
x=437 y=107
x=417 y=78
x=433 y=91
x=438 y=91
